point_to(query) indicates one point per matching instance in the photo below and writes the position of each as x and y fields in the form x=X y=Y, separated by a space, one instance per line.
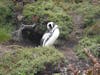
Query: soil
x=67 y=48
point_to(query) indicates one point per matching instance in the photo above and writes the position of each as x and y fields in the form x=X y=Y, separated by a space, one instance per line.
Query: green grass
x=88 y=42
x=6 y=20
x=49 y=11
x=4 y=35
x=28 y=61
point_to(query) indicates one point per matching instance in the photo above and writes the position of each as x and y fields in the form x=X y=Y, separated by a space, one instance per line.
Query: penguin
x=51 y=35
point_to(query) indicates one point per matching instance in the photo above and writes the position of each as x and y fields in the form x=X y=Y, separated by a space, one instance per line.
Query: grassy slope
x=28 y=61
x=5 y=20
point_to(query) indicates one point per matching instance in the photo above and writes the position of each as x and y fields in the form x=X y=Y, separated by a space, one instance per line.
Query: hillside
x=79 y=25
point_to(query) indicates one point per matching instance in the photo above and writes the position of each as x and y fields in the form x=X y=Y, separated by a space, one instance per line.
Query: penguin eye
x=50 y=25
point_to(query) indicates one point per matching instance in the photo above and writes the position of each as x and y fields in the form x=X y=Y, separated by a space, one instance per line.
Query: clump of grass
x=49 y=11
x=88 y=42
x=6 y=20
x=28 y=61
x=4 y=35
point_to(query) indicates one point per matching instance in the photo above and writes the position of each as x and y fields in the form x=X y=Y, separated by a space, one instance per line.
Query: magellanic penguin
x=51 y=35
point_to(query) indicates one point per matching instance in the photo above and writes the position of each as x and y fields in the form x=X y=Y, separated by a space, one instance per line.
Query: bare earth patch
x=3 y=49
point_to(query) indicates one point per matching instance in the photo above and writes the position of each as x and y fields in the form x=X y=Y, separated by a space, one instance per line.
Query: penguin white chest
x=49 y=40
x=52 y=38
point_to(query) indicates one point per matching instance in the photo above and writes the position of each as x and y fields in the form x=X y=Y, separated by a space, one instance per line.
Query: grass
x=4 y=36
x=88 y=42
x=28 y=61
x=5 y=33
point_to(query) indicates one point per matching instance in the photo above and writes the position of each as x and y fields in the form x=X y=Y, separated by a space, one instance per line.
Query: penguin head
x=50 y=25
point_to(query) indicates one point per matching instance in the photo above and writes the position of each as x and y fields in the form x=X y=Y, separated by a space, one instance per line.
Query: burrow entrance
x=28 y=35
x=31 y=36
